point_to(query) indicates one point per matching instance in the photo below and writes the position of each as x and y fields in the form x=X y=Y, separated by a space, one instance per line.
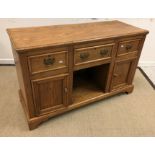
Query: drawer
x=128 y=46
x=91 y=54
x=48 y=62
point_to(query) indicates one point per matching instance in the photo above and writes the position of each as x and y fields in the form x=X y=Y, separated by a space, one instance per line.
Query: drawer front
x=91 y=54
x=48 y=62
x=128 y=46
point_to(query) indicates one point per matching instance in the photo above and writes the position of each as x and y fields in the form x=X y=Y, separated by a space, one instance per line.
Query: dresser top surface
x=44 y=36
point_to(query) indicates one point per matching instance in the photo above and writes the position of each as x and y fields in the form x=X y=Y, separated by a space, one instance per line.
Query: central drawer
x=93 y=54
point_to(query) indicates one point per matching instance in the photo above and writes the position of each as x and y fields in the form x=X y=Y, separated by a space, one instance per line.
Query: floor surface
x=150 y=72
x=120 y=115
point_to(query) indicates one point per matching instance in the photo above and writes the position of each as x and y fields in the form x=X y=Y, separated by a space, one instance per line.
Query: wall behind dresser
x=6 y=57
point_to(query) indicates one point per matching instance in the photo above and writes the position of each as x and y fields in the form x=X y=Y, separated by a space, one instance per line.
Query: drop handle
x=104 y=52
x=49 y=61
x=84 y=56
x=128 y=47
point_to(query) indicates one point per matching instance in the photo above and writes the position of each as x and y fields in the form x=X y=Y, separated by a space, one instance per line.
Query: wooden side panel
x=20 y=78
x=24 y=83
x=136 y=62
x=99 y=75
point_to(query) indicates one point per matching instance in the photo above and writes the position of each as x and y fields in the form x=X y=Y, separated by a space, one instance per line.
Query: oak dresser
x=64 y=67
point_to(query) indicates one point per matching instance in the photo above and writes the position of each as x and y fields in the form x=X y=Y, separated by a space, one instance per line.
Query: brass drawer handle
x=128 y=47
x=49 y=61
x=84 y=56
x=104 y=52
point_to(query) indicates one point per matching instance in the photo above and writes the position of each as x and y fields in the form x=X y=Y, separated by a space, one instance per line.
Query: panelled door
x=123 y=73
x=50 y=93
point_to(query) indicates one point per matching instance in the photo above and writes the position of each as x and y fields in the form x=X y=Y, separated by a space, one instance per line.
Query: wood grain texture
x=54 y=77
x=37 y=37
x=49 y=93
x=120 y=74
x=93 y=53
x=37 y=64
x=128 y=46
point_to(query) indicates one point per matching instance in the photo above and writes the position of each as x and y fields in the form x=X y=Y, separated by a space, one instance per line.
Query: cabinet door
x=123 y=73
x=50 y=94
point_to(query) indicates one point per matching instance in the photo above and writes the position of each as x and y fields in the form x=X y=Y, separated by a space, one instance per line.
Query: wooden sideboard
x=64 y=67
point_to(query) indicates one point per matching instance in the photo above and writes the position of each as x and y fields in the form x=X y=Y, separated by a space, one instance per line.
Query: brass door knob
x=116 y=75
x=66 y=90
